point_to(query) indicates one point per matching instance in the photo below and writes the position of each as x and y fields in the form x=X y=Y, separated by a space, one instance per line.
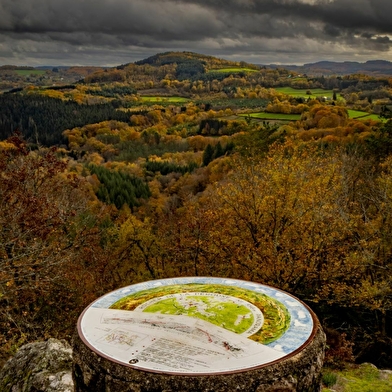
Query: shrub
x=329 y=379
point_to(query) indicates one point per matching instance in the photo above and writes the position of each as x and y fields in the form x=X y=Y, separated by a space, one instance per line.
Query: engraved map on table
x=196 y=325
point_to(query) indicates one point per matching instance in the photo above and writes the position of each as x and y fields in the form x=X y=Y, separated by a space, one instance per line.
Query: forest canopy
x=185 y=164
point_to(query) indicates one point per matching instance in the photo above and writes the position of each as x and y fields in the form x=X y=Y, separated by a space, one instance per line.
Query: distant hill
x=372 y=67
x=209 y=62
x=190 y=65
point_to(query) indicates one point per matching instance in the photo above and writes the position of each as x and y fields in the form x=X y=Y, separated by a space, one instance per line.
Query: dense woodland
x=158 y=169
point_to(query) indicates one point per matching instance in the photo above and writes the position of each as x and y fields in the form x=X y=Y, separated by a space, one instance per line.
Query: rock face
x=39 y=367
x=299 y=373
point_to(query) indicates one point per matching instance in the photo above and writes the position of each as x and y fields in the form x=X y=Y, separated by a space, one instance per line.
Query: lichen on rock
x=39 y=367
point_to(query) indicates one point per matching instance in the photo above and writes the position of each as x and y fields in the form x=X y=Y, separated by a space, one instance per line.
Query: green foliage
x=130 y=151
x=213 y=152
x=362 y=378
x=43 y=119
x=28 y=72
x=379 y=144
x=211 y=126
x=212 y=75
x=386 y=112
x=112 y=91
x=106 y=76
x=108 y=138
x=190 y=69
x=119 y=188
x=160 y=59
x=256 y=141
x=356 y=113
x=305 y=92
x=208 y=155
x=163 y=99
x=191 y=129
x=234 y=103
x=329 y=379
x=225 y=73
x=59 y=88
x=188 y=65
x=273 y=116
x=218 y=151
x=167 y=167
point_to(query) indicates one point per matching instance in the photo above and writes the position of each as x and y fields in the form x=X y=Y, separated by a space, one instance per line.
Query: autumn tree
x=311 y=221
x=49 y=238
x=136 y=251
x=323 y=116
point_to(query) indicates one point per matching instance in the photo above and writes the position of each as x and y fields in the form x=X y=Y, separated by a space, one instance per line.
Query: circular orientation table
x=198 y=334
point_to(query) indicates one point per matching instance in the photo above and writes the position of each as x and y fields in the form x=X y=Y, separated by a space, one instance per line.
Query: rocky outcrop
x=300 y=372
x=39 y=367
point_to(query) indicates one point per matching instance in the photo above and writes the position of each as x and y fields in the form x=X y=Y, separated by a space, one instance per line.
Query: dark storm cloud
x=332 y=31
x=136 y=18
x=60 y=29
x=341 y=13
x=322 y=15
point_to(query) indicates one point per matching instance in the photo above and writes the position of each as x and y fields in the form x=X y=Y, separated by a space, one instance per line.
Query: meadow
x=273 y=116
x=360 y=115
x=28 y=72
x=374 y=117
x=355 y=114
x=302 y=93
x=163 y=99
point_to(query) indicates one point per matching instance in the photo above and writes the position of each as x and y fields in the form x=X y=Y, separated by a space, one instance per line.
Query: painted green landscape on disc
x=276 y=316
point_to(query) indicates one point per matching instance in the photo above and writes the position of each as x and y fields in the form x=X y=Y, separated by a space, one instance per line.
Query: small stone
x=385 y=374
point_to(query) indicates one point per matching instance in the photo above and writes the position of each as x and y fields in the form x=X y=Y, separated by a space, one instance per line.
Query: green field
x=163 y=99
x=273 y=116
x=360 y=115
x=357 y=113
x=233 y=69
x=28 y=72
x=374 y=117
x=301 y=93
x=249 y=103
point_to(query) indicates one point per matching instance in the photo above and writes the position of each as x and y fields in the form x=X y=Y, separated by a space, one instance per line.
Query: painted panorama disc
x=197 y=325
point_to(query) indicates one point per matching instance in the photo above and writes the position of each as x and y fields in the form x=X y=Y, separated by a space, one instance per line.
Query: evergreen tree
x=208 y=155
x=119 y=188
x=218 y=151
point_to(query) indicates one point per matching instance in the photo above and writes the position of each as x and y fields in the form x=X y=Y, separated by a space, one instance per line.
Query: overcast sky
x=113 y=32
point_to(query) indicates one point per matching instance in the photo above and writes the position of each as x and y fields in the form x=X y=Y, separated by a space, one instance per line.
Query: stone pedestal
x=198 y=334
x=300 y=371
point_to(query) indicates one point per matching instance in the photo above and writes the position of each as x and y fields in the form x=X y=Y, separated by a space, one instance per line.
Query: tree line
x=43 y=120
